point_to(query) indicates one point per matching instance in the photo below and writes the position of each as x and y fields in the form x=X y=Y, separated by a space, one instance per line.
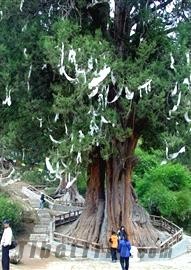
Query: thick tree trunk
x=111 y=201
x=90 y=223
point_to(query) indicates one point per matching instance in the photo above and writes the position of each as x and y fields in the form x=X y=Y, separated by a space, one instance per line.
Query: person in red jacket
x=124 y=250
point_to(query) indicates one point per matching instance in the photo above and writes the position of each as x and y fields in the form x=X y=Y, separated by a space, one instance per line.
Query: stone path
x=52 y=263
x=42 y=230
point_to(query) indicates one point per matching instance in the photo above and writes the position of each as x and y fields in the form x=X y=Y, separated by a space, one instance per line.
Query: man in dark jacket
x=124 y=249
x=42 y=201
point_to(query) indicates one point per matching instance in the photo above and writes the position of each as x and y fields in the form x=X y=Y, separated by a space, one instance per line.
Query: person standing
x=114 y=245
x=122 y=233
x=42 y=201
x=124 y=249
x=5 y=244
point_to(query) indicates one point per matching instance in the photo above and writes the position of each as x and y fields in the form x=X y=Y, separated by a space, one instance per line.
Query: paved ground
x=56 y=264
x=52 y=263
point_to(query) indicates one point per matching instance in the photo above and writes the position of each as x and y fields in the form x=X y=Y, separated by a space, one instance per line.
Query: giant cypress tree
x=115 y=88
x=122 y=79
x=114 y=81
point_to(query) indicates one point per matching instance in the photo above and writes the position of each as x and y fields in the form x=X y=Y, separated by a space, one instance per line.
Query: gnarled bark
x=111 y=201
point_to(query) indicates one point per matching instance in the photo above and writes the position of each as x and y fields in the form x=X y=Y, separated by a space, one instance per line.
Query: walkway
x=45 y=226
x=43 y=233
x=52 y=263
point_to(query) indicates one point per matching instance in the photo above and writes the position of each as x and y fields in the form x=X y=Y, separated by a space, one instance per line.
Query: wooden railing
x=38 y=192
x=68 y=203
x=68 y=240
x=160 y=222
x=166 y=225
x=54 y=201
x=172 y=240
x=62 y=219
x=65 y=239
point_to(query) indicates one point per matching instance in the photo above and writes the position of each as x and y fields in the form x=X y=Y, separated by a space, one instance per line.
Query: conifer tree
x=110 y=80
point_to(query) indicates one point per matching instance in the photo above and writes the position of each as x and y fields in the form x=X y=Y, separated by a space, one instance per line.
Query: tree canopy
x=51 y=55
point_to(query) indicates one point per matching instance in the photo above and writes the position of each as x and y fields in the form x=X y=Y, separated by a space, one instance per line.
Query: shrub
x=10 y=210
x=165 y=190
x=146 y=161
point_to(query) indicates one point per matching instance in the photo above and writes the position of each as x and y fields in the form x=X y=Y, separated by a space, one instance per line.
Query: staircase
x=42 y=230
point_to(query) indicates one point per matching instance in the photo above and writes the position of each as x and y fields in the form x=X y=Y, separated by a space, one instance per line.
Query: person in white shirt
x=5 y=244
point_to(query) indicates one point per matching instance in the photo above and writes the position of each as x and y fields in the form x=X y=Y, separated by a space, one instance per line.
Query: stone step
x=44 y=224
x=43 y=211
x=44 y=220
x=41 y=230
x=43 y=215
x=46 y=227
x=35 y=204
x=189 y=248
x=38 y=237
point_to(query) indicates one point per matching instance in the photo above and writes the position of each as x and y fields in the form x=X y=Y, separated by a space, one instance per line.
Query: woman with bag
x=124 y=249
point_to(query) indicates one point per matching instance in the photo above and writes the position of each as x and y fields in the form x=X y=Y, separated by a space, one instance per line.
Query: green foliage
x=10 y=210
x=50 y=190
x=82 y=184
x=34 y=177
x=146 y=162
x=165 y=190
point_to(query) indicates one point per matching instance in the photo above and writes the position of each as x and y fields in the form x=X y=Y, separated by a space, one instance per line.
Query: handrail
x=172 y=240
x=95 y=246
x=54 y=201
x=176 y=231
x=77 y=241
x=176 y=237
x=170 y=222
x=46 y=197
x=68 y=203
x=61 y=219
x=69 y=213
x=160 y=218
